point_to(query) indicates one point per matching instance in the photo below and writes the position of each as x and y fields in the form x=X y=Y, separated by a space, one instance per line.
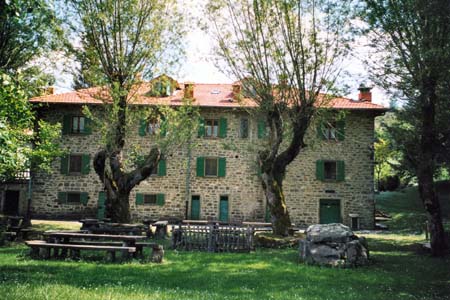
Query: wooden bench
x=37 y=246
x=139 y=245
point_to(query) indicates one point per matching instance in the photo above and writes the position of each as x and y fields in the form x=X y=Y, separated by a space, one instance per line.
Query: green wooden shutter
x=139 y=199
x=87 y=126
x=66 y=124
x=85 y=163
x=65 y=164
x=340 y=171
x=142 y=127
x=340 y=128
x=62 y=197
x=200 y=166
x=320 y=170
x=320 y=131
x=222 y=166
x=84 y=198
x=261 y=129
x=101 y=205
x=162 y=167
x=160 y=199
x=163 y=128
x=201 y=127
x=223 y=128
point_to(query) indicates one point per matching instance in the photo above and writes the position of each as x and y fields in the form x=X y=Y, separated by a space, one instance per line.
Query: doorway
x=195 y=208
x=11 y=203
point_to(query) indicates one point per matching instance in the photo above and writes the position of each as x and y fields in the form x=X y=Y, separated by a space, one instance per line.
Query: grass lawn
x=406 y=208
x=399 y=270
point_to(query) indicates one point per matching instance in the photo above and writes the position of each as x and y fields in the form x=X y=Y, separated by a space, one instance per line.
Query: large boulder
x=333 y=245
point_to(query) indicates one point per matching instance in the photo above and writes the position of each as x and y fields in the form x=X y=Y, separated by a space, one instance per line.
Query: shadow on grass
x=259 y=275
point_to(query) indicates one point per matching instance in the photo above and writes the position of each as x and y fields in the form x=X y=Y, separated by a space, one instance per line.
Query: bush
x=389 y=183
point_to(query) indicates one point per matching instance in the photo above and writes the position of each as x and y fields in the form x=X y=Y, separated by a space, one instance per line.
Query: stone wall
x=241 y=184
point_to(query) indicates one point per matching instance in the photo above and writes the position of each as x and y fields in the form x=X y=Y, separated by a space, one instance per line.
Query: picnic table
x=76 y=241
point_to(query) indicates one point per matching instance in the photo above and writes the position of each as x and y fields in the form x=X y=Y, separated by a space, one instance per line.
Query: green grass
x=397 y=272
x=406 y=208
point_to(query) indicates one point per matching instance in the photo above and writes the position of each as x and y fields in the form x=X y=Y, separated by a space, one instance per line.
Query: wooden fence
x=212 y=238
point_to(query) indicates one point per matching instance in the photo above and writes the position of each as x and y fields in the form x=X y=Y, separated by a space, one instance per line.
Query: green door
x=223 y=209
x=330 y=211
x=195 y=208
x=101 y=205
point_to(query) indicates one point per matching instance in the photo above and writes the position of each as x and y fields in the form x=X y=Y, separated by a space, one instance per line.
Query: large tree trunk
x=277 y=205
x=118 y=184
x=425 y=173
x=117 y=204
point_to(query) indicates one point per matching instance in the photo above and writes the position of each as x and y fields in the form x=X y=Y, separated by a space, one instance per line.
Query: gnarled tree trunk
x=118 y=184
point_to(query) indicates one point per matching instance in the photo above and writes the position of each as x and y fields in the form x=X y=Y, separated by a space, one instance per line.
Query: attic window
x=215 y=92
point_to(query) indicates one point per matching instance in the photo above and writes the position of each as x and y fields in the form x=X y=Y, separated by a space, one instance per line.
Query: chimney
x=365 y=93
x=189 y=90
x=236 y=91
x=50 y=90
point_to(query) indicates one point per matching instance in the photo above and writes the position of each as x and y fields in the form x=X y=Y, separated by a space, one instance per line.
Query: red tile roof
x=206 y=95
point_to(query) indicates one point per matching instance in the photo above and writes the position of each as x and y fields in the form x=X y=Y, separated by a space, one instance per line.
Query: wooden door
x=330 y=211
x=223 y=209
x=195 y=208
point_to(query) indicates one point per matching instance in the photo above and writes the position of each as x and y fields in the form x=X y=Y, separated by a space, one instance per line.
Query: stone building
x=330 y=181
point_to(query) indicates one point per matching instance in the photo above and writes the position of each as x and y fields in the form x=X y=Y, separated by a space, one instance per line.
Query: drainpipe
x=188 y=178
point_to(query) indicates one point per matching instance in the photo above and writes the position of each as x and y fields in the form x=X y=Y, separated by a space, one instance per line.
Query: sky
x=199 y=68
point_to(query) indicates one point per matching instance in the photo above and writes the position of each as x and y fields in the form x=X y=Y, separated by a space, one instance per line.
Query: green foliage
x=29 y=28
x=17 y=134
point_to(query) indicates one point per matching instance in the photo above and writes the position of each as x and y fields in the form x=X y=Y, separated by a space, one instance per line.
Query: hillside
x=406 y=209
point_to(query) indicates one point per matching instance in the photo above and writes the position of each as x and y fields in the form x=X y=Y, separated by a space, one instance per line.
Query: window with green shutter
x=319 y=170
x=150 y=199
x=84 y=198
x=262 y=131
x=340 y=129
x=331 y=130
x=64 y=164
x=200 y=167
x=330 y=170
x=76 y=125
x=162 y=167
x=160 y=199
x=139 y=199
x=201 y=127
x=86 y=164
x=223 y=127
x=222 y=166
x=73 y=198
x=142 y=127
x=62 y=197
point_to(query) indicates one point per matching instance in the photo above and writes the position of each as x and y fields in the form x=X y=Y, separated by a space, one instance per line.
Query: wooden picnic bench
x=69 y=237
x=37 y=246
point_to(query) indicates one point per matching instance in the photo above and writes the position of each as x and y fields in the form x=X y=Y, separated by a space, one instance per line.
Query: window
x=152 y=127
x=77 y=124
x=329 y=130
x=211 y=166
x=75 y=163
x=73 y=198
x=150 y=199
x=211 y=128
x=244 y=128
x=330 y=170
